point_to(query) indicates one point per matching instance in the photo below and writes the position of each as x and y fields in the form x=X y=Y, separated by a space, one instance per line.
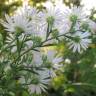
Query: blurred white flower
x=33 y=15
x=65 y=27
x=37 y=59
x=52 y=15
x=75 y=13
x=53 y=59
x=68 y=61
x=94 y=65
x=92 y=26
x=17 y=23
x=80 y=41
x=53 y=62
x=40 y=83
x=51 y=72
x=29 y=12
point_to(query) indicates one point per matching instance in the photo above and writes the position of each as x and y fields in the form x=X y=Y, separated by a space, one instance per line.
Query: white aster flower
x=92 y=26
x=80 y=41
x=29 y=12
x=33 y=15
x=53 y=63
x=86 y=25
x=75 y=13
x=53 y=16
x=40 y=82
x=53 y=59
x=51 y=72
x=17 y=23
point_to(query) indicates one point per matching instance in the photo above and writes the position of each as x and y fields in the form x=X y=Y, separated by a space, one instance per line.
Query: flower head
x=31 y=13
x=17 y=24
x=80 y=41
x=52 y=18
x=75 y=14
x=39 y=82
x=52 y=63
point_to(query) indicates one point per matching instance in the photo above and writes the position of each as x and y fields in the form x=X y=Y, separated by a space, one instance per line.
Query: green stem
x=84 y=84
x=32 y=48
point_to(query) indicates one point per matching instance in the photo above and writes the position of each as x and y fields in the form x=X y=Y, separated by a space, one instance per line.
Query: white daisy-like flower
x=51 y=72
x=53 y=16
x=86 y=25
x=40 y=82
x=18 y=23
x=31 y=13
x=92 y=26
x=53 y=63
x=80 y=41
x=52 y=58
x=76 y=13
x=34 y=15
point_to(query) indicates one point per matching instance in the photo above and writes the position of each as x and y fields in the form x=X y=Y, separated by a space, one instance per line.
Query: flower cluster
x=30 y=29
x=73 y=24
